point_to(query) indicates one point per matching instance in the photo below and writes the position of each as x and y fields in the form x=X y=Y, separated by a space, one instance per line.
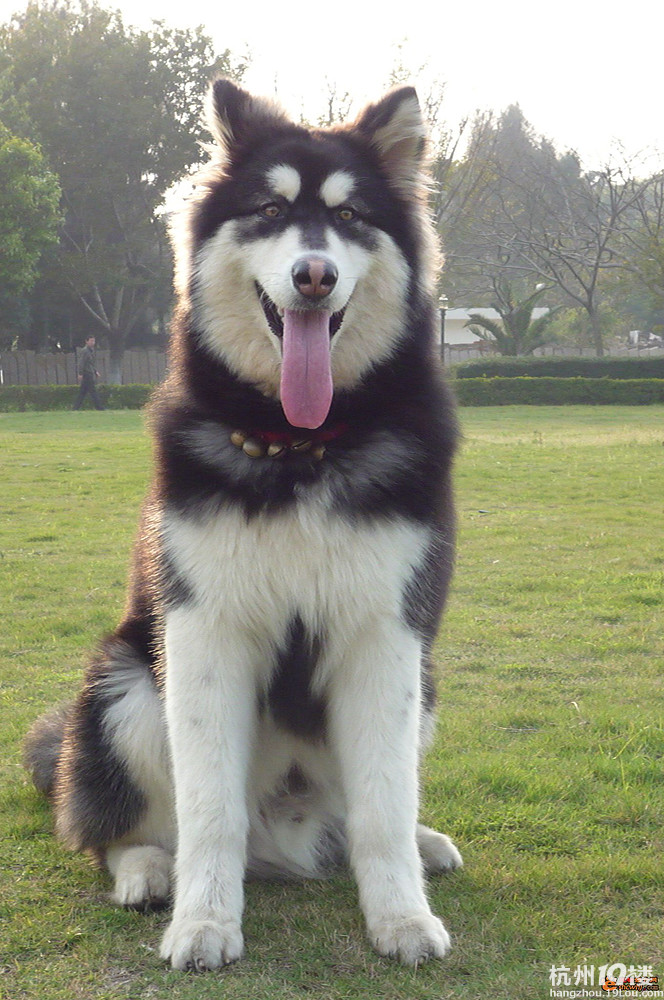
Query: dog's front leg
x=210 y=705
x=374 y=716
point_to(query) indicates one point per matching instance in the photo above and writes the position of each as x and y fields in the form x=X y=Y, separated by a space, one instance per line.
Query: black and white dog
x=262 y=706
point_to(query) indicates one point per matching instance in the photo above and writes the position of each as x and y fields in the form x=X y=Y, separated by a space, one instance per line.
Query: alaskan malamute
x=263 y=704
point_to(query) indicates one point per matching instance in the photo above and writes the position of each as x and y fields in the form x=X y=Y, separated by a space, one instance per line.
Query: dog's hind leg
x=112 y=787
x=142 y=875
x=437 y=851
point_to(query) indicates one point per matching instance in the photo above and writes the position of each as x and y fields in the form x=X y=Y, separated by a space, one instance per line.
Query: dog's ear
x=396 y=130
x=231 y=113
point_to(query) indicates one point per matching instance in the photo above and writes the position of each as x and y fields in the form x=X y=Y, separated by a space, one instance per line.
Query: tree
x=540 y=217
x=117 y=112
x=642 y=245
x=29 y=217
x=458 y=184
x=469 y=201
x=570 y=231
x=517 y=332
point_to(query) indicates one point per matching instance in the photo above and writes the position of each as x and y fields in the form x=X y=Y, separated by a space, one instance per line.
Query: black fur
x=42 y=748
x=290 y=699
x=98 y=801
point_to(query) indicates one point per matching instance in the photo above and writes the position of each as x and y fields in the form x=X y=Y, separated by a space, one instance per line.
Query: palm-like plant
x=516 y=332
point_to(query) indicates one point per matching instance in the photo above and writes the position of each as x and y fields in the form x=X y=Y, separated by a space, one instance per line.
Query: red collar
x=297 y=436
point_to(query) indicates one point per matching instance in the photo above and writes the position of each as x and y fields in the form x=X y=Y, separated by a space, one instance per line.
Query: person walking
x=88 y=375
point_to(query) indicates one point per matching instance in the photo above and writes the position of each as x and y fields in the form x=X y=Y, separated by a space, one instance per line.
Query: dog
x=263 y=704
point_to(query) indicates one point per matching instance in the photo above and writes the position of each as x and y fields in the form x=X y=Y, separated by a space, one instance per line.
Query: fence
x=469 y=352
x=148 y=367
x=29 y=368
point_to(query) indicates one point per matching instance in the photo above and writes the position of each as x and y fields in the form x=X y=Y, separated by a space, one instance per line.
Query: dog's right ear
x=232 y=113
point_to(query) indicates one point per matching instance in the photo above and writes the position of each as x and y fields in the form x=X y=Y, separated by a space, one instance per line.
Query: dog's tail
x=43 y=745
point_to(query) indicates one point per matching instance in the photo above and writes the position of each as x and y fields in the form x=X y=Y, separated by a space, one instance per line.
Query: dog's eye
x=271 y=211
x=345 y=213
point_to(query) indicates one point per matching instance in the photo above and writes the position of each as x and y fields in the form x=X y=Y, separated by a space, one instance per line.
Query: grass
x=548 y=766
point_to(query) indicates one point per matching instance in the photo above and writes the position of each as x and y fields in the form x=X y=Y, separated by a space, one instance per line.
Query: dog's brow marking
x=337 y=188
x=285 y=181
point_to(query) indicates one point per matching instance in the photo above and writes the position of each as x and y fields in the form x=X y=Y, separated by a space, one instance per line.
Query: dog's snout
x=314 y=277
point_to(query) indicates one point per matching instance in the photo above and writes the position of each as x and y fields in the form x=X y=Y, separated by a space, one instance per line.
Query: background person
x=88 y=375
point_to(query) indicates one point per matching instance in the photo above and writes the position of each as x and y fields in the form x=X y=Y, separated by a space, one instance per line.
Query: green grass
x=548 y=769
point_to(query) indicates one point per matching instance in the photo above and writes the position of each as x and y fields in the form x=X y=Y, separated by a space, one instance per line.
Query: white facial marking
x=337 y=188
x=372 y=284
x=285 y=181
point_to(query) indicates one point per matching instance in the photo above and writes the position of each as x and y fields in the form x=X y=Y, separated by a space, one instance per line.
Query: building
x=457 y=333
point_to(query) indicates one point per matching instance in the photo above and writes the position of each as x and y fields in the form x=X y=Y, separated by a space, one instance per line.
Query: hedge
x=558 y=391
x=616 y=368
x=469 y=392
x=17 y=398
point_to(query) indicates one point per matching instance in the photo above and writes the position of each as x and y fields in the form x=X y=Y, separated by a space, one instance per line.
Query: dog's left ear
x=396 y=130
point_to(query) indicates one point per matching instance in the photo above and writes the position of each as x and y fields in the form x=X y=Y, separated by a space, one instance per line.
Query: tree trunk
x=596 y=328
x=116 y=345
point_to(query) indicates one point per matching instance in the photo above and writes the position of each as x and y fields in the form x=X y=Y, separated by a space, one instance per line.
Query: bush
x=558 y=391
x=615 y=368
x=17 y=398
x=469 y=392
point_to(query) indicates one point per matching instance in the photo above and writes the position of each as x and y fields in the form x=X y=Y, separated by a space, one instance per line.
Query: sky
x=588 y=75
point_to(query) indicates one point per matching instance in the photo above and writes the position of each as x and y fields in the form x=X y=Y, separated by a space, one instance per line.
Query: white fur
x=337 y=188
x=285 y=181
x=270 y=261
x=210 y=700
x=249 y=579
x=142 y=874
x=437 y=851
x=372 y=285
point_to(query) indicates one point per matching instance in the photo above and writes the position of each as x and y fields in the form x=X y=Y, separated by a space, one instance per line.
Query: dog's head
x=302 y=249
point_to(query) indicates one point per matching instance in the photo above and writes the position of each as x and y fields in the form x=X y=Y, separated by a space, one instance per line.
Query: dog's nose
x=314 y=277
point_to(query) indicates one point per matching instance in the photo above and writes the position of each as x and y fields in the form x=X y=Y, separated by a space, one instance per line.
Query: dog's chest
x=306 y=562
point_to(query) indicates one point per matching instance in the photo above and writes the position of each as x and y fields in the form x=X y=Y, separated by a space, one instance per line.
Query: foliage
x=642 y=241
x=517 y=332
x=29 y=216
x=20 y=398
x=117 y=112
x=471 y=389
x=607 y=367
x=546 y=391
x=536 y=215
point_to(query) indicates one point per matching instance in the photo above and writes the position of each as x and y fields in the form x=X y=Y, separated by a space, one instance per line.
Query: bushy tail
x=42 y=747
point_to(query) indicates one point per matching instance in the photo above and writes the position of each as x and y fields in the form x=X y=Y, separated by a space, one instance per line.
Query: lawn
x=547 y=768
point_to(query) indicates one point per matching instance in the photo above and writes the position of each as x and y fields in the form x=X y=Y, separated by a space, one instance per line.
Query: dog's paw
x=411 y=940
x=437 y=851
x=201 y=945
x=143 y=878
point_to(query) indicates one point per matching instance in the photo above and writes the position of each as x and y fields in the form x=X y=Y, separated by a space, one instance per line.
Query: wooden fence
x=470 y=352
x=28 y=368
x=149 y=367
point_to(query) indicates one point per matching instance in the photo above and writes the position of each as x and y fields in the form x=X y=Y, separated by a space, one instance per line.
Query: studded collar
x=280 y=444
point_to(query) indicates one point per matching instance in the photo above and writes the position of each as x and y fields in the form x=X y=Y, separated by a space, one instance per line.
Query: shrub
x=614 y=368
x=558 y=391
x=17 y=398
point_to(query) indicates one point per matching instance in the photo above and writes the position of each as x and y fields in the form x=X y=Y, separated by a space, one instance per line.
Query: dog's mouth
x=306 y=387
x=275 y=316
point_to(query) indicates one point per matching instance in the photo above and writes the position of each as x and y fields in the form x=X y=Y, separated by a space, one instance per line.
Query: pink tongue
x=306 y=375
